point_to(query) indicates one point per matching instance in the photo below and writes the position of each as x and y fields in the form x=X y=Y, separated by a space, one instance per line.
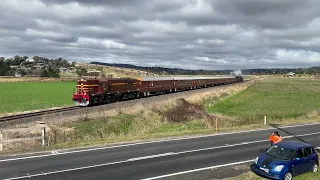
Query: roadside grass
x=252 y=176
x=277 y=98
x=26 y=96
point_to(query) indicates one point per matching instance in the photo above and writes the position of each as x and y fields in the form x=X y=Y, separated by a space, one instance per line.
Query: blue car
x=285 y=160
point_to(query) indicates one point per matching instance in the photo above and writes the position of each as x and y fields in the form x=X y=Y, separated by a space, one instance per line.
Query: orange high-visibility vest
x=275 y=139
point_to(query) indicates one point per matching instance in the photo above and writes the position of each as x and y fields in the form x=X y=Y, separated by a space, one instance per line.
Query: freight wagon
x=102 y=91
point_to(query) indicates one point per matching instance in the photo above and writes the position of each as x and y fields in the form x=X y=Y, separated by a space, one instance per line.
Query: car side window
x=299 y=153
x=307 y=151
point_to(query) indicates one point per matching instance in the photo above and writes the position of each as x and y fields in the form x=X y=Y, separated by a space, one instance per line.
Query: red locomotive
x=102 y=91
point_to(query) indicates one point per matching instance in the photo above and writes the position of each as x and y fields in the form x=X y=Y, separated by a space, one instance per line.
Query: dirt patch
x=242 y=167
x=185 y=111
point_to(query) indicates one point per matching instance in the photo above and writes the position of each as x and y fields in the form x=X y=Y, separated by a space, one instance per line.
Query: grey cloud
x=203 y=34
x=274 y=14
x=98 y=2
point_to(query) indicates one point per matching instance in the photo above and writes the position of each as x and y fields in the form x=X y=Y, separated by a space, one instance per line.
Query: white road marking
x=159 y=155
x=148 y=142
x=66 y=170
x=200 y=169
x=152 y=156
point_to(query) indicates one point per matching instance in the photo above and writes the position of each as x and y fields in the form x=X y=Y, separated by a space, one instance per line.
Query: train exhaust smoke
x=237 y=73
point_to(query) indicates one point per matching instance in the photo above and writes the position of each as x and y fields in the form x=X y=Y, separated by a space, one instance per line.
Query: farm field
x=277 y=98
x=26 y=96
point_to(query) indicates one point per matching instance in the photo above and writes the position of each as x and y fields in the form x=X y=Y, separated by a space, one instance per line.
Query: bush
x=184 y=112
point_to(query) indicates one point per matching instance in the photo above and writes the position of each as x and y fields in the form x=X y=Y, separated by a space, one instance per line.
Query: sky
x=189 y=34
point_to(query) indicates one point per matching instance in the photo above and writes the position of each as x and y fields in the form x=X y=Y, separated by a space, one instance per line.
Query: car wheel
x=315 y=168
x=288 y=176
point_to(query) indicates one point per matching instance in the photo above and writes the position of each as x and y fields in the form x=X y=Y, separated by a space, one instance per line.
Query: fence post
x=265 y=120
x=216 y=124
x=43 y=136
x=1 y=148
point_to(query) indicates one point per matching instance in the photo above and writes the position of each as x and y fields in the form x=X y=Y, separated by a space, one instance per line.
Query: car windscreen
x=280 y=152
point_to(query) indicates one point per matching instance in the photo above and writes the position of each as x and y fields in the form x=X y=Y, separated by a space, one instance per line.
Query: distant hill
x=177 y=71
x=165 y=71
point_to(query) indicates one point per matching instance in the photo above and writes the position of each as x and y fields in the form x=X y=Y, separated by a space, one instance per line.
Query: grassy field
x=25 y=96
x=277 y=98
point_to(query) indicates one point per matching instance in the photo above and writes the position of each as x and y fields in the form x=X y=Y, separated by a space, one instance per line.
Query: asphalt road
x=151 y=159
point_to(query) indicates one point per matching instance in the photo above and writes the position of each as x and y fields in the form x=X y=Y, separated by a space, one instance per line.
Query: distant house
x=29 y=60
x=63 y=70
x=94 y=72
x=290 y=74
x=17 y=74
x=39 y=65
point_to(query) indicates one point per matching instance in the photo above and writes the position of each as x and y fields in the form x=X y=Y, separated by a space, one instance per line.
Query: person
x=275 y=138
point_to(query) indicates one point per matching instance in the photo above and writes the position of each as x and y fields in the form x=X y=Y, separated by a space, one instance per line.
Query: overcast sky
x=190 y=34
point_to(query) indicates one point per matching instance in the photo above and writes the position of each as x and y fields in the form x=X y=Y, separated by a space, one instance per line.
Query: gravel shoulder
x=213 y=174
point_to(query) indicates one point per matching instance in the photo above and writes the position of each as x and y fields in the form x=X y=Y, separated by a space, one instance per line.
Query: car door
x=308 y=159
x=298 y=163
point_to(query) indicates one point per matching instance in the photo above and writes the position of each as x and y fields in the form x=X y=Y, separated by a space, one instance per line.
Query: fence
x=42 y=137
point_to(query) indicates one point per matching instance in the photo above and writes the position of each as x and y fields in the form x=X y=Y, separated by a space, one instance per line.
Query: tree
x=73 y=64
x=36 y=58
x=50 y=72
x=4 y=68
x=81 y=71
x=53 y=72
x=44 y=73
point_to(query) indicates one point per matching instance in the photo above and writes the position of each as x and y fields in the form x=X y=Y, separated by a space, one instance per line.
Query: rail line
x=39 y=113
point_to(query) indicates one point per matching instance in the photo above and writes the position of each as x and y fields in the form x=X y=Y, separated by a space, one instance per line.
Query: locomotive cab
x=84 y=91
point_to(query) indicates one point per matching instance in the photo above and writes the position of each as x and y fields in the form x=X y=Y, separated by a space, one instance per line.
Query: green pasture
x=278 y=98
x=24 y=96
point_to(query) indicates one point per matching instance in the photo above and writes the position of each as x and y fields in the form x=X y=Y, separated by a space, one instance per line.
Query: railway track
x=34 y=114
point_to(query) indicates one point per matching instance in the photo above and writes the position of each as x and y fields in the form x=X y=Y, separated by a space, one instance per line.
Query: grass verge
x=252 y=176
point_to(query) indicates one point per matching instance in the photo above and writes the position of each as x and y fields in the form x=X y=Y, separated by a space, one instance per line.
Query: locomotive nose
x=81 y=100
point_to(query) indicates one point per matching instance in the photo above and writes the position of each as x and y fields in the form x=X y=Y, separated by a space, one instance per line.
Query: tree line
x=23 y=65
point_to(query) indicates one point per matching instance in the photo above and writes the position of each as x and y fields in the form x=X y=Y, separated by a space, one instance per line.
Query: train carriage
x=183 y=83
x=154 y=85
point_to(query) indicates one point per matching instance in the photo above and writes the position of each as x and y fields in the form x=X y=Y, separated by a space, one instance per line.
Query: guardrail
x=43 y=137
